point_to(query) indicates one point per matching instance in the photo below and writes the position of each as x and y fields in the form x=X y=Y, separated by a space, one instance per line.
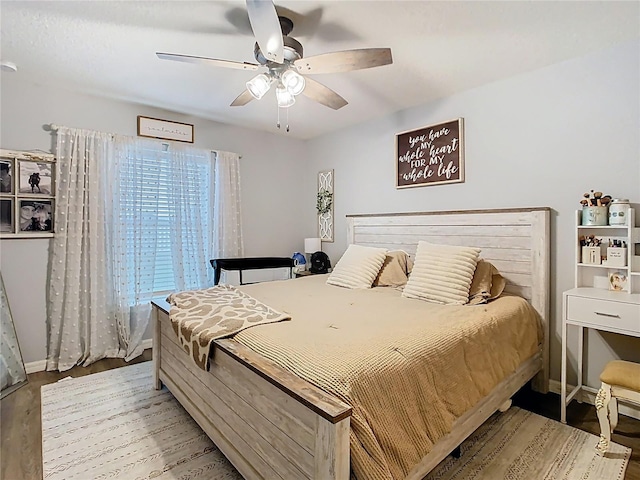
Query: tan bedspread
x=407 y=367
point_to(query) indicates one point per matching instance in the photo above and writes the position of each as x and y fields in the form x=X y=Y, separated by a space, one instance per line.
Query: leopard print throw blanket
x=199 y=317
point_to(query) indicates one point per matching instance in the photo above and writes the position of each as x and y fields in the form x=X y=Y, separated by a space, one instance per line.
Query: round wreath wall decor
x=324 y=202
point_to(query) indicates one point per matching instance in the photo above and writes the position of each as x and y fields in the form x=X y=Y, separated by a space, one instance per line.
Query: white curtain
x=192 y=217
x=227 y=216
x=135 y=217
x=83 y=323
x=131 y=209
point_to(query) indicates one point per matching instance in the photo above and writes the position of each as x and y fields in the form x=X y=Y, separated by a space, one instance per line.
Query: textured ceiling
x=439 y=48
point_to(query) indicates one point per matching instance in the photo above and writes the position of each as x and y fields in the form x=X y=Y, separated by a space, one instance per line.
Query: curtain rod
x=54 y=126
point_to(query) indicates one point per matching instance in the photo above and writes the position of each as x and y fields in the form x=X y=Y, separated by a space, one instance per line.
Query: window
x=165 y=203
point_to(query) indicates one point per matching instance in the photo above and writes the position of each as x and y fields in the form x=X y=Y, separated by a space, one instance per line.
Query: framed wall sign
x=431 y=155
x=164 y=129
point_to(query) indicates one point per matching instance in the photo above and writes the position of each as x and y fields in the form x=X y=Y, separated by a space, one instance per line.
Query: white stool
x=619 y=379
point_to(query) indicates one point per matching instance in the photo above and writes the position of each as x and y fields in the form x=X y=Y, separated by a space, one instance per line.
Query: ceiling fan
x=287 y=68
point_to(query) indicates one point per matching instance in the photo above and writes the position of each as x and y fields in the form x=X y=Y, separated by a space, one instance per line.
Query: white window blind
x=166 y=214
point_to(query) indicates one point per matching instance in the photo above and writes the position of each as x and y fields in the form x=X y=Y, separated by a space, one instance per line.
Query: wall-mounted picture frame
x=431 y=155
x=36 y=178
x=35 y=215
x=6 y=215
x=7 y=173
x=164 y=129
x=27 y=188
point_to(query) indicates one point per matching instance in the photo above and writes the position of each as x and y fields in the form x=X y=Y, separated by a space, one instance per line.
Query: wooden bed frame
x=272 y=424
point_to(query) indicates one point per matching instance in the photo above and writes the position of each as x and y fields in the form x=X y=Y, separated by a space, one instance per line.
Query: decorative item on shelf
x=595 y=208
x=617 y=255
x=618 y=281
x=619 y=211
x=299 y=262
x=324 y=205
x=591 y=253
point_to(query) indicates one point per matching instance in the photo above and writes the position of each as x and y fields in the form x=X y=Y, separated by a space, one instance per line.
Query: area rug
x=114 y=425
x=520 y=445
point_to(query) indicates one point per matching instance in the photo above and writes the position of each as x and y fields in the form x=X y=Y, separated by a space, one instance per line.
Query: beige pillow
x=487 y=283
x=358 y=267
x=442 y=273
x=395 y=269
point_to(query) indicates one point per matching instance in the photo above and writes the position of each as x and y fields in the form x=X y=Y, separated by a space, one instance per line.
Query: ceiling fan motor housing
x=292 y=48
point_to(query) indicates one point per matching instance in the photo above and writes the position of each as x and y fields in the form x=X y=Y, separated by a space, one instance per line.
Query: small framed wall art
x=36 y=215
x=6 y=215
x=7 y=171
x=164 y=129
x=36 y=178
x=431 y=155
x=27 y=194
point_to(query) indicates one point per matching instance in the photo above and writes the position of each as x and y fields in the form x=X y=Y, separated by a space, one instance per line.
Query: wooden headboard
x=515 y=240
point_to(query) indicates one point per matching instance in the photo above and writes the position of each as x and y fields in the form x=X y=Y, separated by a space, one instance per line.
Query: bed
x=270 y=423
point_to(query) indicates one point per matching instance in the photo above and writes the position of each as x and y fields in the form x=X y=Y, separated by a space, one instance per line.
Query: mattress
x=408 y=368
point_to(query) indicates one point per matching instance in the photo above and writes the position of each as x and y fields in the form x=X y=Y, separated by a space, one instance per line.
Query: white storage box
x=616 y=257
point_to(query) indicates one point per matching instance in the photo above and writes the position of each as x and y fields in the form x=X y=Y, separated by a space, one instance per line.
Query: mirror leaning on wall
x=12 y=371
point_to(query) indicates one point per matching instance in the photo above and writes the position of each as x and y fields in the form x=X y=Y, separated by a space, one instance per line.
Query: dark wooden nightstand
x=304 y=273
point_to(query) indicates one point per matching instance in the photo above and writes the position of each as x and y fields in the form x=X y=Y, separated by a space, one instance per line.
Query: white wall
x=539 y=139
x=270 y=194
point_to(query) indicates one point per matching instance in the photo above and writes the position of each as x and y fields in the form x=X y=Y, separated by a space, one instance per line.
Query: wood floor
x=21 y=436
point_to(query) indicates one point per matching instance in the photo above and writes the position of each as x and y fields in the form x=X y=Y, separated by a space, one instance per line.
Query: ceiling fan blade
x=345 y=61
x=266 y=28
x=321 y=94
x=242 y=99
x=207 y=61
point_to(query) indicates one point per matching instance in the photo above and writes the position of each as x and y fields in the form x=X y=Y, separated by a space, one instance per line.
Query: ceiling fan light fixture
x=293 y=82
x=284 y=96
x=259 y=85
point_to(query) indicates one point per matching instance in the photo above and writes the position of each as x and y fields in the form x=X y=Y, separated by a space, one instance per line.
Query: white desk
x=598 y=309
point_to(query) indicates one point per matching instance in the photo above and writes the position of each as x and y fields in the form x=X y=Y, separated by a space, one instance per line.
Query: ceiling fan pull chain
x=287 y=120
x=278 y=124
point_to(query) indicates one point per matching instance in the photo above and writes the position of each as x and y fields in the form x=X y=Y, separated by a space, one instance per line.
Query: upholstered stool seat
x=620 y=380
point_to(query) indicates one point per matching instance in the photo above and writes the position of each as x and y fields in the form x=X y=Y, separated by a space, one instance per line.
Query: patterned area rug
x=114 y=425
x=519 y=445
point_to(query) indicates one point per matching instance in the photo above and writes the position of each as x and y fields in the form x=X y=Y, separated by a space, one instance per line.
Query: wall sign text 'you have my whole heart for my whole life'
x=430 y=155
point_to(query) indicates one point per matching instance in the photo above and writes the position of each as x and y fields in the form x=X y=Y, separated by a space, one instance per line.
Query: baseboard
x=41 y=365
x=37 y=366
x=588 y=395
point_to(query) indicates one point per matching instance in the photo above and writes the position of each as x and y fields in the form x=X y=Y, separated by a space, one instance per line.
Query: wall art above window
x=27 y=189
x=164 y=129
x=431 y=155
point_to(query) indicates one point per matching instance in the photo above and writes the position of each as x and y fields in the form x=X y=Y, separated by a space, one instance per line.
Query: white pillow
x=358 y=267
x=442 y=274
